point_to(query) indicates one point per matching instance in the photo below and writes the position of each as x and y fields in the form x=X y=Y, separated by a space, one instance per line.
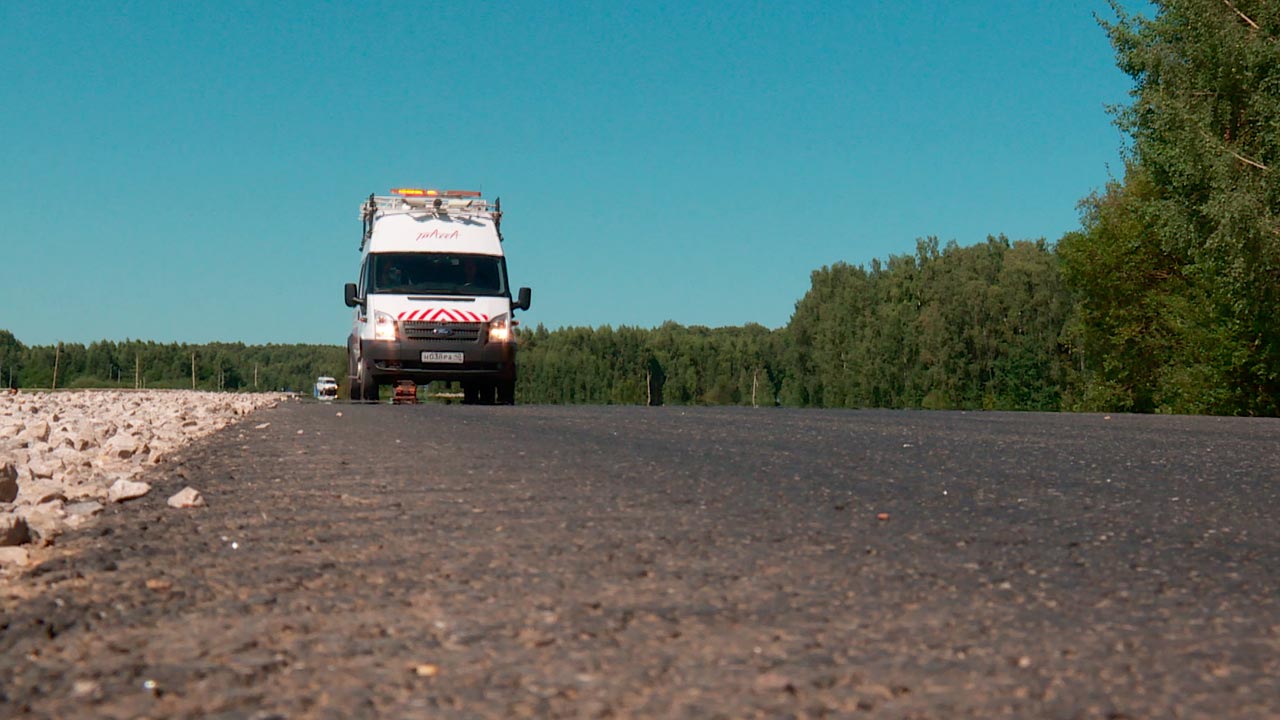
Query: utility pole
x=57 y=355
x=193 y=371
x=755 y=382
x=255 y=376
x=137 y=370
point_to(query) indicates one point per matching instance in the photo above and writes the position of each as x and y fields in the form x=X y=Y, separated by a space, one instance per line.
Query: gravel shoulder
x=65 y=455
x=437 y=561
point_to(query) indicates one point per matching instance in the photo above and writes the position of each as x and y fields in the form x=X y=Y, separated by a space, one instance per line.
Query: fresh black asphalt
x=454 y=561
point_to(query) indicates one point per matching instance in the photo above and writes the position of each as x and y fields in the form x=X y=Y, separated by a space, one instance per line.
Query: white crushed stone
x=187 y=497
x=13 y=556
x=122 y=490
x=66 y=450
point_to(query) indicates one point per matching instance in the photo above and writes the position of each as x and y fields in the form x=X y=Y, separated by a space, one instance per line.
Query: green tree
x=11 y=354
x=1191 y=325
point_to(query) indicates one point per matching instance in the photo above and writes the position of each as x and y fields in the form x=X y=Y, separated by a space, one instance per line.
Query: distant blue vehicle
x=326 y=388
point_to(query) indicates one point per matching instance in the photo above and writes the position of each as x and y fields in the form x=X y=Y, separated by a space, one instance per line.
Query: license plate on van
x=441 y=357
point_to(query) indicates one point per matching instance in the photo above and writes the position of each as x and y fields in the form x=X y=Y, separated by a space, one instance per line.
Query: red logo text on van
x=437 y=235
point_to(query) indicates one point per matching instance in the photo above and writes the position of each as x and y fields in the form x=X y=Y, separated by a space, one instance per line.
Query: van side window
x=364 y=274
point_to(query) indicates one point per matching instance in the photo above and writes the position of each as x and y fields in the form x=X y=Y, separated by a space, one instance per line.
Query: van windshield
x=444 y=273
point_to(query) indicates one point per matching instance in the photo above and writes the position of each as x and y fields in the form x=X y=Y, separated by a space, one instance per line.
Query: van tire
x=507 y=392
x=477 y=393
x=363 y=386
x=353 y=382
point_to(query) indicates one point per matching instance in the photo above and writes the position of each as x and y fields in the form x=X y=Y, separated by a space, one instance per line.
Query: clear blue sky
x=191 y=171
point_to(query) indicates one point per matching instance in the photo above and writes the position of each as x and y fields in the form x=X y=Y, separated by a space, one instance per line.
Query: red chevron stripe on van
x=442 y=315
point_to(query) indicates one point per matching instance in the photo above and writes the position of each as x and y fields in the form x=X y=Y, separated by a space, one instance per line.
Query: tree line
x=947 y=327
x=231 y=367
x=1164 y=300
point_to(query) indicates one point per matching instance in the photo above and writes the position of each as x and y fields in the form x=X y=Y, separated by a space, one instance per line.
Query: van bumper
x=390 y=361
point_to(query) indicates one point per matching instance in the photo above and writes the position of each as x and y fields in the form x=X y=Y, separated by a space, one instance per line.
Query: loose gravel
x=64 y=455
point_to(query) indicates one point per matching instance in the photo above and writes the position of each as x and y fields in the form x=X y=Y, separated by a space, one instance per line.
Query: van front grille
x=443 y=331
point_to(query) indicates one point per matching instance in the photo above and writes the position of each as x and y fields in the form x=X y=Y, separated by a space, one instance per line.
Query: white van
x=433 y=301
x=326 y=388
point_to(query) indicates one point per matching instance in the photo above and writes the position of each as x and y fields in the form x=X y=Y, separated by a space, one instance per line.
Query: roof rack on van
x=441 y=203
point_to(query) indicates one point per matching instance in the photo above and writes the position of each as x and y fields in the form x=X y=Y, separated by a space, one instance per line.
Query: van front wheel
x=507 y=392
x=354 y=389
x=363 y=386
x=477 y=393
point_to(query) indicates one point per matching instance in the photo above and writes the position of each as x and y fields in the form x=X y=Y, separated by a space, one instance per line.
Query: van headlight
x=384 y=326
x=499 y=329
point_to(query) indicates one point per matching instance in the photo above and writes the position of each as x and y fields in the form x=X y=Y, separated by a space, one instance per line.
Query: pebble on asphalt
x=187 y=497
x=159 y=585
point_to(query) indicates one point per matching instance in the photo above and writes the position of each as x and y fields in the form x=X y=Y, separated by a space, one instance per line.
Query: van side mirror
x=525 y=296
x=349 y=294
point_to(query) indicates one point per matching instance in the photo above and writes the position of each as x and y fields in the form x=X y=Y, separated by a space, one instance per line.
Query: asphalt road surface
x=448 y=561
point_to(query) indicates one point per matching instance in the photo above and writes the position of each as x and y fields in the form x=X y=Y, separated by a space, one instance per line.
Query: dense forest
x=1164 y=300
x=950 y=327
x=145 y=364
